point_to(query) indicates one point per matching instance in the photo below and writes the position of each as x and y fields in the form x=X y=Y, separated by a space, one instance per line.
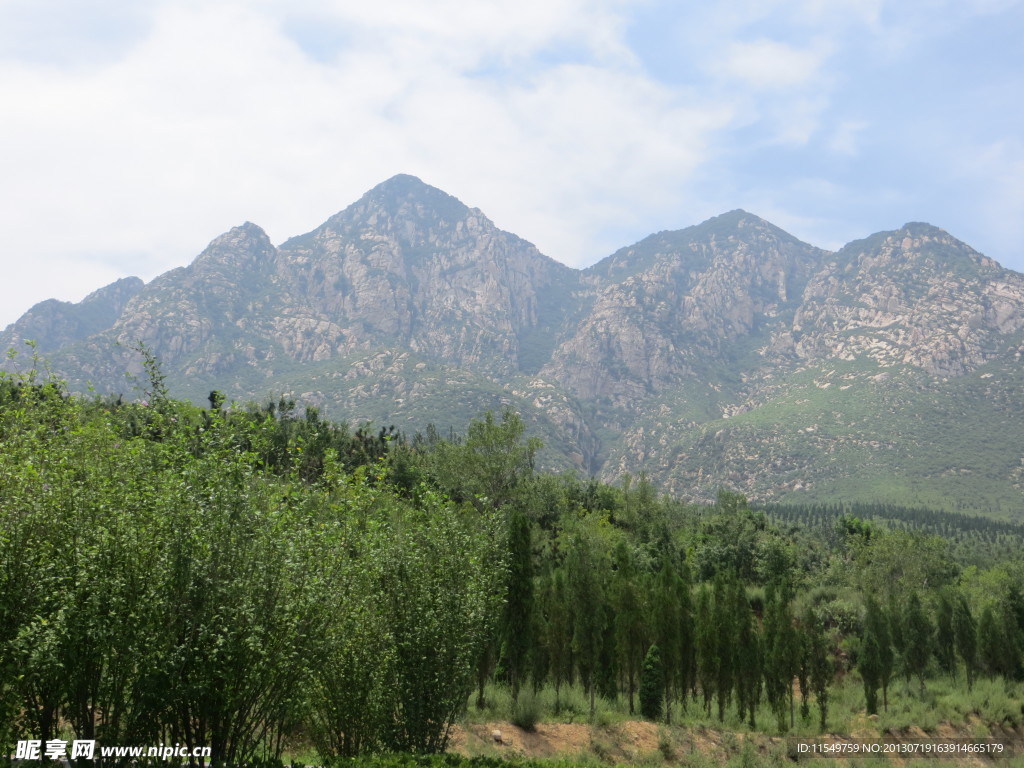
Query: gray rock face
x=54 y=324
x=728 y=353
x=410 y=266
x=916 y=296
x=698 y=297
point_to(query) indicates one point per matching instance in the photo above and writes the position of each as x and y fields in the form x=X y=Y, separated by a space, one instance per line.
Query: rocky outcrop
x=728 y=353
x=53 y=324
x=916 y=296
x=694 y=298
x=410 y=266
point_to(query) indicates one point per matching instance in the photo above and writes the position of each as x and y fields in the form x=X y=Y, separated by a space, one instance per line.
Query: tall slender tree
x=918 y=639
x=819 y=664
x=517 y=621
x=965 y=630
x=630 y=625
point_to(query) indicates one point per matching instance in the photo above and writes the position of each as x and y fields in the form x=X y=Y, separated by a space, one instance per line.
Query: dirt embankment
x=651 y=744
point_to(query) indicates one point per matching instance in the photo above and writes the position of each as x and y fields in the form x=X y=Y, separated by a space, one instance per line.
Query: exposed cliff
x=728 y=353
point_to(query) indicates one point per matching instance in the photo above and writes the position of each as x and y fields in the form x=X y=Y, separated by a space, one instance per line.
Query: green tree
x=559 y=632
x=707 y=648
x=652 y=685
x=517 y=620
x=749 y=661
x=586 y=591
x=491 y=466
x=869 y=666
x=965 y=631
x=879 y=623
x=630 y=626
x=665 y=623
x=945 y=636
x=918 y=639
x=819 y=664
x=724 y=618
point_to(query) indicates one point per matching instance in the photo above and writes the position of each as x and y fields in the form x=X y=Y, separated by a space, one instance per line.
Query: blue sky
x=134 y=133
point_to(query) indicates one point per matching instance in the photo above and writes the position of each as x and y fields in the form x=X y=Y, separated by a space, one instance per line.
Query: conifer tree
x=748 y=658
x=517 y=626
x=629 y=618
x=876 y=618
x=966 y=634
x=665 y=623
x=707 y=649
x=559 y=632
x=780 y=652
x=990 y=643
x=687 y=676
x=724 y=620
x=586 y=591
x=652 y=685
x=819 y=665
x=918 y=639
x=869 y=665
x=945 y=637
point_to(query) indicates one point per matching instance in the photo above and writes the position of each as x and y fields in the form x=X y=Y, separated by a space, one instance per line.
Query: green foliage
x=652 y=685
x=239 y=577
x=517 y=622
x=160 y=583
x=919 y=632
x=871 y=661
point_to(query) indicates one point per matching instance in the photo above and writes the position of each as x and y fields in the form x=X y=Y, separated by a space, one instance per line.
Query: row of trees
x=908 y=639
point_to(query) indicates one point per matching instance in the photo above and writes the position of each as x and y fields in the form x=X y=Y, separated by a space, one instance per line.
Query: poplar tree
x=819 y=665
x=629 y=618
x=517 y=625
x=707 y=649
x=652 y=685
x=918 y=639
x=945 y=637
x=965 y=630
x=876 y=618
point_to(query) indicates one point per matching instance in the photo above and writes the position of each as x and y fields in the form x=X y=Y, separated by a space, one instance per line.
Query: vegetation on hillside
x=251 y=578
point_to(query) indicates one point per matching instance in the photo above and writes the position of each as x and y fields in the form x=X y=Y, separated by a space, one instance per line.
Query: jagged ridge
x=725 y=353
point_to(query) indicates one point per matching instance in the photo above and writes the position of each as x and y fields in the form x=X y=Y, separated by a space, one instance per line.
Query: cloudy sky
x=133 y=133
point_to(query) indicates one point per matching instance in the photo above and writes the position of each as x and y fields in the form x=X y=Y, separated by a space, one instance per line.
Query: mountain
x=724 y=354
x=54 y=324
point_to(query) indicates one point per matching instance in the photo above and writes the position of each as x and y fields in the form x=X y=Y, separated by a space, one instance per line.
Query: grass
x=570 y=705
x=992 y=703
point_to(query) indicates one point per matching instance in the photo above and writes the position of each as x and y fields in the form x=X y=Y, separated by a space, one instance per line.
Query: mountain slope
x=728 y=353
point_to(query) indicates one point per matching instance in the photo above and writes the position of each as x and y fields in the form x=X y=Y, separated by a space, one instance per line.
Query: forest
x=260 y=580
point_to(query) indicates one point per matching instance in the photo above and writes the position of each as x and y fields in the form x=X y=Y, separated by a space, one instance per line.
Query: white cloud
x=846 y=137
x=135 y=143
x=217 y=115
x=771 y=65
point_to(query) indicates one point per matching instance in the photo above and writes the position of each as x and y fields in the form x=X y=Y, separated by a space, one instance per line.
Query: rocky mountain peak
x=403 y=208
x=728 y=352
x=244 y=247
x=915 y=296
x=53 y=324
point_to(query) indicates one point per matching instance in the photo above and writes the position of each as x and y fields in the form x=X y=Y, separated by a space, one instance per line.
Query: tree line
x=236 y=577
